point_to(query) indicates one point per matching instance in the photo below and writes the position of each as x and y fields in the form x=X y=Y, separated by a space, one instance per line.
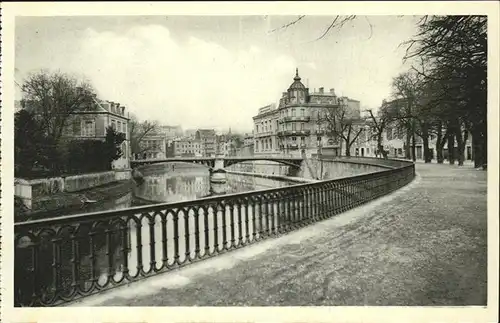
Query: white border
x=247 y=314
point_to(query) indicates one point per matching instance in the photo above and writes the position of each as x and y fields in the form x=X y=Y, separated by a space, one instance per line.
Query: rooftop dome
x=297 y=84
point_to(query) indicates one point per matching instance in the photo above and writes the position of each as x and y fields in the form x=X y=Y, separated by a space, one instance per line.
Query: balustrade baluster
x=36 y=288
x=216 y=228
x=176 y=238
x=197 y=233
x=232 y=225
x=240 y=224
x=254 y=220
x=125 y=249
x=92 y=258
x=75 y=262
x=109 y=253
x=207 y=229
x=56 y=252
x=187 y=245
x=261 y=215
x=247 y=224
x=222 y=209
x=274 y=214
x=279 y=214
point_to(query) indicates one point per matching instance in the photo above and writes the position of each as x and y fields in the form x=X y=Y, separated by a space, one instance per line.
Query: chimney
x=332 y=91
x=321 y=90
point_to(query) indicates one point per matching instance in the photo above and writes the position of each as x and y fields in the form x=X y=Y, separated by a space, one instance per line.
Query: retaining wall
x=30 y=190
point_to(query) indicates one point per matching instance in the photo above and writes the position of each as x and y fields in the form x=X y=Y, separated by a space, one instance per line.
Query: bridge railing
x=62 y=259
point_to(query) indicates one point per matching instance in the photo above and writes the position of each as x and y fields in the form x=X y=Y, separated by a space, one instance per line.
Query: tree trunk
x=461 y=142
x=439 y=143
x=347 y=150
x=451 y=148
x=425 y=141
x=479 y=146
x=380 y=147
x=413 y=148
x=408 y=144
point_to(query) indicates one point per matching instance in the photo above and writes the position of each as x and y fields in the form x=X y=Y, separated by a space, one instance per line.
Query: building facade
x=298 y=125
x=209 y=140
x=154 y=146
x=188 y=148
x=91 y=123
x=266 y=127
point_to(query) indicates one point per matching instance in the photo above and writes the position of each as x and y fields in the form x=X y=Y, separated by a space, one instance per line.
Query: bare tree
x=53 y=97
x=336 y=23
x=138 y=132
x=378 y=124
x=341 y=124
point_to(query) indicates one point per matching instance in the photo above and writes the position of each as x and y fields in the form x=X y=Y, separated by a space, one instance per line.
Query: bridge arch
x=208 y=162
x=296 y=163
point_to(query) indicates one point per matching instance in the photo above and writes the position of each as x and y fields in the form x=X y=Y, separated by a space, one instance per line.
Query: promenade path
x=423 y=245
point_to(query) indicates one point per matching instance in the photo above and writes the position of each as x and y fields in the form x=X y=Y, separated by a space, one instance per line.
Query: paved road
x=424 y=246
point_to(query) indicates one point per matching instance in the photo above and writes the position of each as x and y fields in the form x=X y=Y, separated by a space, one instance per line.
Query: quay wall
x=30 y=190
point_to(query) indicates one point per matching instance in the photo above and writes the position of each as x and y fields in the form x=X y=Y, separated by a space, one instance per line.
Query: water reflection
x=173 y=186
x=164 y=185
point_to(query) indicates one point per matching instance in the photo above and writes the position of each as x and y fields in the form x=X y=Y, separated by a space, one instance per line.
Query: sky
x=214 y=71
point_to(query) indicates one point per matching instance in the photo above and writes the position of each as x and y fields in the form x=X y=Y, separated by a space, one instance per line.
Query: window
x=293 y=112
x=302 y=139
x=277 y=125
x=293 y=126
x=257 y=128
x=88 y=128
x=113 y=124
x=318 y=138
x=294 y=138
x=270 y=144
x=302 y=126
x=302 y=112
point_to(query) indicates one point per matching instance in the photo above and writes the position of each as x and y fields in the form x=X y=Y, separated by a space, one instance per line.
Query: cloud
x=190 y=81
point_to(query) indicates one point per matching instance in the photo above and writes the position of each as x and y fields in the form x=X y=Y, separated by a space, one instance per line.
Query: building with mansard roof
x=297 y=124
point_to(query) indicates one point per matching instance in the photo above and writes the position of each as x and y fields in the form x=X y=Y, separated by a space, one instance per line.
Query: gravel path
x=425 y=246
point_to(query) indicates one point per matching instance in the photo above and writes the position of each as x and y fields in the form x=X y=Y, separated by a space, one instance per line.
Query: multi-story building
x=92 y=122
x=188 y=148
x=266 y=126
x=209 y=140
x=299 y=123
x=154 y=146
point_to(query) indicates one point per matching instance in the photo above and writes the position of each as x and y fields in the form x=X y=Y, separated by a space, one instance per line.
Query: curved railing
x=62 y=259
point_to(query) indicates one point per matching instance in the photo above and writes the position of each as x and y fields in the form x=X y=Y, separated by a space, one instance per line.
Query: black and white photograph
x=250 y=160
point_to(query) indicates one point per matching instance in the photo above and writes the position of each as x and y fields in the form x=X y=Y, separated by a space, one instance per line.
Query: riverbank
x=64 y=203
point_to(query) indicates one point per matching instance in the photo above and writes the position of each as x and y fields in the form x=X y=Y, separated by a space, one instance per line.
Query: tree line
x=443 y=95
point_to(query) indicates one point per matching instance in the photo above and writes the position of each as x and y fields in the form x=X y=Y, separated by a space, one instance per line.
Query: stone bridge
x=221 y=161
